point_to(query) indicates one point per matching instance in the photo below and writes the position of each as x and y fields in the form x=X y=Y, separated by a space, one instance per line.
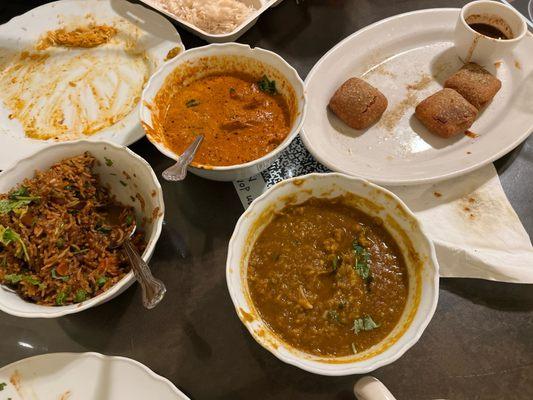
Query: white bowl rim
x=288 y=139
x=352 y=368
x=129 y=277
x=98 y=356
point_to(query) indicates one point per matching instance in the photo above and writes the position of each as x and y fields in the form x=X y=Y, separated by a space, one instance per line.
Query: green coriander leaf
x=80 y=296
x=129 y=220
x=2 y=386
x=336 y=263
x=101 y=281
x=60 y=298
x=8 y=235
x=364 y=324
x=267 y=86
x=59 y=277
x=333 y=315
x=108 y=161
x=22 y=191
x=103 y=229
x=32 y=280
x=10 y=205
x=192 y=103
x=13 y=278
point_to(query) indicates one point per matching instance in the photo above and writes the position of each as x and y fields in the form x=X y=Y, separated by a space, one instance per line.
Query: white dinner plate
x=116 y=82
x=408 y=57
x=84 y=376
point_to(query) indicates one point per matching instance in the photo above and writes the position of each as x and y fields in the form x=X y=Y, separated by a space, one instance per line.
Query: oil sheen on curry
x=327 y=278
x=242 y=117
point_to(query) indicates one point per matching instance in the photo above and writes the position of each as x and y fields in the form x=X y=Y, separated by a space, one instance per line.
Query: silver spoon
x=178 y=171
x=153 y=290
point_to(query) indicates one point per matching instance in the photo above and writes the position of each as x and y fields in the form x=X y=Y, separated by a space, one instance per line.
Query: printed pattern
x=294 y=161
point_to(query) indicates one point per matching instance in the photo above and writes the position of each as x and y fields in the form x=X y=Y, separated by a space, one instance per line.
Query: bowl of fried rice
x=58 y=252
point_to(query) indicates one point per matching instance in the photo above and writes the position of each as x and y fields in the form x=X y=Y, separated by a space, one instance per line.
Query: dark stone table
x=479 y=345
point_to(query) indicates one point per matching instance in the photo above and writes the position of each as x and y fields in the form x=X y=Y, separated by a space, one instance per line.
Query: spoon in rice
x=153 y=290
x=178 y=171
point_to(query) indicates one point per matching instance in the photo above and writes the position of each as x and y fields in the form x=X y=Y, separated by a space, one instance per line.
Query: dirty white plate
x=67 y=74
x=408 y=57
x=84 y=376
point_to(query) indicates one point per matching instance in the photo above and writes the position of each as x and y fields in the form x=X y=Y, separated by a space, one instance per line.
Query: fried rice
x=57 y=246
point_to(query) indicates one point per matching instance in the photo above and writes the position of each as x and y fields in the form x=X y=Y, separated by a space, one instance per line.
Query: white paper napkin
x=476 y=232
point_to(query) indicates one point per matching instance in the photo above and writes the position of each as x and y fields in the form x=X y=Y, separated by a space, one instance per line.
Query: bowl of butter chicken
x=247 y=103
x=332 y=274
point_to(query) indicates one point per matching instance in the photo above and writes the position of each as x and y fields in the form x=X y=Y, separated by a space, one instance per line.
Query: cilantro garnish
x=365 y=323
x=8 y=235
x=192 y=103
x=267 y=86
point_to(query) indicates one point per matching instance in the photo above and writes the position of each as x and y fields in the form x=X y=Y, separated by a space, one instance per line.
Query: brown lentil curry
x=327 y=278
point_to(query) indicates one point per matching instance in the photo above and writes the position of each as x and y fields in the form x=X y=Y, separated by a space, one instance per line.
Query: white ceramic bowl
x=270 y=62
x=84 y=376
x=260 y=7
x=418 y=251
x=142 y=181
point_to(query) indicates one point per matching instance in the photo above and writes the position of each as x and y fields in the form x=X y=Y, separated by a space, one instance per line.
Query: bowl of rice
x=58 y=252
x=216 y=21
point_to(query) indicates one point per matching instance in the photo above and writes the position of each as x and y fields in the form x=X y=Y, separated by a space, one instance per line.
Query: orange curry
x=242 y=118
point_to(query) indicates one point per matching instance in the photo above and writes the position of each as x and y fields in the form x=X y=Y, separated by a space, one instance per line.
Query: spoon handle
x=153 y=289
x=178 y=171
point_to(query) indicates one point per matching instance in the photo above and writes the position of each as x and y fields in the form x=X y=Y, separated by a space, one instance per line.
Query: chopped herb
x=364 y=324
x=8 y=235
x=354 y=349
x=68 y=187
x=123 y=183
x=333 y=315
x=2 y=386
x=56 y=276
x=32 y=280
x=80 y=251
x=60 y=298
x=103 y=229
x=22 y=191
x=101 y=281
x=17 y=200
x=267 y=86
x=361 y=265
x=108 y=161
x=80 y=296
x=60 y=243
x=336 y=263
x=13 y=278
x=129 y=220
x=192 y=103
x=232 y=91
x=342 y=304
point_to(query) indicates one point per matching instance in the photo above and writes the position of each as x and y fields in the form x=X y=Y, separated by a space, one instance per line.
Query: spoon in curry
x=178 y=171
x=153 y=290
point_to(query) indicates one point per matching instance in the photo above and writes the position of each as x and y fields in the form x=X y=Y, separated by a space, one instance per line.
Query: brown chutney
x=327 y=278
